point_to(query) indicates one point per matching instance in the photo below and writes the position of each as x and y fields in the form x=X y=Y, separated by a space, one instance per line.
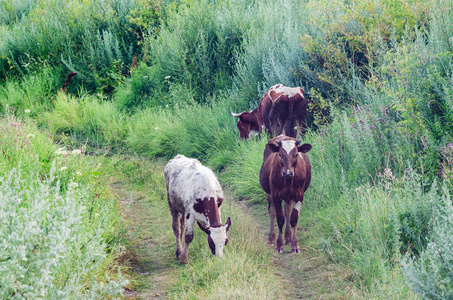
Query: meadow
x=158 y=78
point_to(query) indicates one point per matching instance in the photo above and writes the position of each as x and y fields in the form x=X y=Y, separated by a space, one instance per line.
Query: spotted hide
x=282 y=110
x=194 y=193
x=285 y=175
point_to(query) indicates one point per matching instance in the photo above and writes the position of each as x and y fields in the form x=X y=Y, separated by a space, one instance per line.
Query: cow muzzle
x=287 y=174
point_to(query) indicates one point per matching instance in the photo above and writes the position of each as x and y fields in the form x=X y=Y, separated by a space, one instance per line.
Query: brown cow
x=282 y=110
x=194 y=193
x=285 y=175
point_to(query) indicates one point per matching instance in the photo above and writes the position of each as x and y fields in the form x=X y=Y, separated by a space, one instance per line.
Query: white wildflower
x=167 y=77
x=78 y=173
x=63 y=168
x=27 y=111
x=76 y=152
x=61 y=151
x=156 y=128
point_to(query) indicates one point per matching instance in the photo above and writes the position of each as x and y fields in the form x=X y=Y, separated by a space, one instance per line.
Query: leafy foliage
x=431 y=274
x=50 y=246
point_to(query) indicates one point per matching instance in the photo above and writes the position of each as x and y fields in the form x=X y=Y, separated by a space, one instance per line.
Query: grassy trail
x=252 y=270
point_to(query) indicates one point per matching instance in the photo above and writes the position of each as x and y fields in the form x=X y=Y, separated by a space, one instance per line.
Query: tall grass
x=194 y=130
x=89 y=117
x=33 y=93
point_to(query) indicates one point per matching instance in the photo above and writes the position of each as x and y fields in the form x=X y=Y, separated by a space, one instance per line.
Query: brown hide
x=210 y=208
x=272 y=168
x=282 y=110
x=285 y=175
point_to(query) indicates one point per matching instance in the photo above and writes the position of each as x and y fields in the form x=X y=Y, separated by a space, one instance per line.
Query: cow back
x=187 y=180
x=286 y=110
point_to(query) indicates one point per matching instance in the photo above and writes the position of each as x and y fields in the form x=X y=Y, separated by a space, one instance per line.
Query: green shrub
x=52 y=245
x=196 y=47
x=270 y=52
x=147 y=87
x=430 y=275
x=345 y=38
x=96 y=40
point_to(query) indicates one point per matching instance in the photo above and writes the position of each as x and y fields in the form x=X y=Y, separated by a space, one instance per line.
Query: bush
x=96 y=40
x=195 y=48
x=51 y=242
x=431 y=275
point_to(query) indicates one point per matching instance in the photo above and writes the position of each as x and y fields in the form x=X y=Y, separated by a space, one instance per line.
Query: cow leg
x=271 y=210
x=280 y=223
x=288 y=208
x=294 y=219
x=182 y=227
x=188 y=237
x=177 y=230
x=266 y=118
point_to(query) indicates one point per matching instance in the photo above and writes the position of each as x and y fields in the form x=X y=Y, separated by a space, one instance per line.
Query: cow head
x=288 y=152
x=217 y=237
x=247 y=124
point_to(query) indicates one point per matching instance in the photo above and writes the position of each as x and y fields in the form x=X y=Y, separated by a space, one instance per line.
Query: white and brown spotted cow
x=282 y=110
x=194 y=193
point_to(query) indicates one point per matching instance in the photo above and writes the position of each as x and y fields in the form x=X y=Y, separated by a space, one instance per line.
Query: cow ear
x=203 y=227
x=275 y=146
x=304 y=148
x=228 y=224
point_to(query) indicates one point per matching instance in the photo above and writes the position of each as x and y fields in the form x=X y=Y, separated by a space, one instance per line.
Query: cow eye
x=280 y=155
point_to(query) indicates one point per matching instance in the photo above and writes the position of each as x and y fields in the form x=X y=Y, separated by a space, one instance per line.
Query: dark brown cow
x=194 y=193
x=282 y=110
x=285 y=175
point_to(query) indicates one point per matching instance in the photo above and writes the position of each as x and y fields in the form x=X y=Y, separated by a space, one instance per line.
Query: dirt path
x=152 y=267
x=310 y=274
x=147 y=253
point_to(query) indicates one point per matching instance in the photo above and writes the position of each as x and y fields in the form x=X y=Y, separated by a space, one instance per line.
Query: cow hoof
x=182 y=260
x=271 y=244
x=295 y=251
x=279 y=250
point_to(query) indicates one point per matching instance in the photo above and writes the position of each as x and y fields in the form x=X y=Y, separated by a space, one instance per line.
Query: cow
x=285 y=175
x=194 y=193
x=282 y=110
